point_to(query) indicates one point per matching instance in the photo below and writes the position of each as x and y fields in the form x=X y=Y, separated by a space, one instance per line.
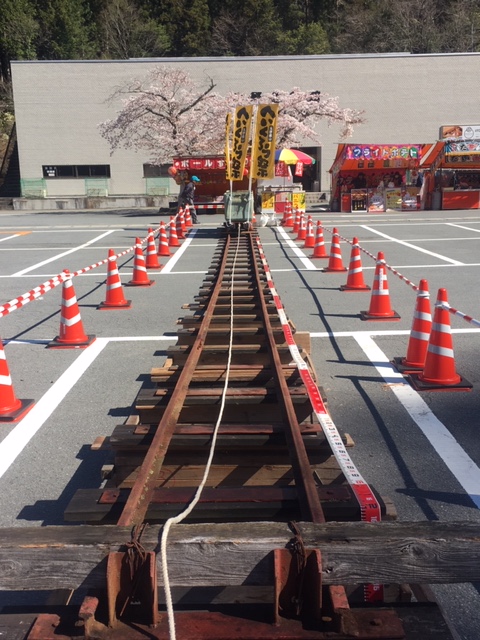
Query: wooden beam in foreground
x=47 y=558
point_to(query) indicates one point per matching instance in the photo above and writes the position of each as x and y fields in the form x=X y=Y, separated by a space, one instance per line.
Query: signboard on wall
x=395 y=152
x=298 y=200
x=463 y=131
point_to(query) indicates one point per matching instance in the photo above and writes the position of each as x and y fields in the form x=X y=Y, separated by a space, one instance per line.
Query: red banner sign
x=199 y=164
x=299 y=169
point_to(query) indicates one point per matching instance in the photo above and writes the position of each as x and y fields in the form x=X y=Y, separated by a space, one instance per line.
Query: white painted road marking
x=309 y=266
x=411 y=246
x=16 y=235
x=61 y=255
x=179 y=253
x=456 y=459
x=14 y=443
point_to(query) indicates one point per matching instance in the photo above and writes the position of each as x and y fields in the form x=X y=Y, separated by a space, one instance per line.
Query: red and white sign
x=281 y=170
x=200 y=164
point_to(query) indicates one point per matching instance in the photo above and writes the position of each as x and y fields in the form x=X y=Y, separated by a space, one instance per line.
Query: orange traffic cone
x=355 y=280
x=140 y=277
x=296 y=223
x=179 y=228
x=11 y=408
x=179 y=211
x=181 y=215
x=286 y=213
x=151 y=261
x=288 y=217
x=335 y=262
x=173 y=238
x=419 y=334
x=72 y=335
x=302 y=228
x=319 y=247
x=439 y=373
x=380 y=308
x=188 y=217
x=114 y=298
x=163 y=249
x=309 y=237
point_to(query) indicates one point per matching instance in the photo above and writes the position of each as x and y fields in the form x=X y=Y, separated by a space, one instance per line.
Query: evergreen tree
x=65 y=30
x=248 y=28
x=18 y=29
x=307 y=39
x=128 y=32
x=187 y=23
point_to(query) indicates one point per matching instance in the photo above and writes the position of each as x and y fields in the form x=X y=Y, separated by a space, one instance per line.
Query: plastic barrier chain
x=397 y=273
x=38 y=291
x=453 y=311
x=369 y=507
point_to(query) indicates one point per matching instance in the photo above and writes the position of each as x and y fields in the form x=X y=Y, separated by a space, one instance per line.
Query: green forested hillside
x=113 y=29
x=120 y=29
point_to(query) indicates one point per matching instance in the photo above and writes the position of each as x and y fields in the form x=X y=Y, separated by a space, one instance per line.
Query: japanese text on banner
x=265 y=139
x=241 y=139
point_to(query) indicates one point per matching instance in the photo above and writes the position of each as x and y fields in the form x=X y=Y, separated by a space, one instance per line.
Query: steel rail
x=137 y=503
x=308 y=496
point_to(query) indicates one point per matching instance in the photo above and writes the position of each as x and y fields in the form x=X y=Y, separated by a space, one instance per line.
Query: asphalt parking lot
x=421 y=449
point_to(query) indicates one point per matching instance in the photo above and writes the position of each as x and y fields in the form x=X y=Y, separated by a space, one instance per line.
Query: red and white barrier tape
x=38 y=291
x=397 y=273
x=453 y=311
x=458 y=313
x=33 y=294
x=369 y=507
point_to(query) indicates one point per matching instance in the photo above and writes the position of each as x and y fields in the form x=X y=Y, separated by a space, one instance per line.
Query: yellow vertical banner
x=265 y=141
x=228 y=159
x=241 y=139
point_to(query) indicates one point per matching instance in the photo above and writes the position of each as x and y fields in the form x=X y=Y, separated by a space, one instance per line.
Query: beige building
x=59 y=104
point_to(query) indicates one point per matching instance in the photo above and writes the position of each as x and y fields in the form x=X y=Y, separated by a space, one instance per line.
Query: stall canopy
x=452 y=154
x=352 y=157
x=377 y=157
x=432 y=158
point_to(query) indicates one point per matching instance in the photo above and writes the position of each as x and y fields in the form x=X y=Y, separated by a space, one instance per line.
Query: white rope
x=181 y=516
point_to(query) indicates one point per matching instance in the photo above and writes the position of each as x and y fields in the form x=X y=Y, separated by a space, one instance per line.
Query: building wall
x=59 y=104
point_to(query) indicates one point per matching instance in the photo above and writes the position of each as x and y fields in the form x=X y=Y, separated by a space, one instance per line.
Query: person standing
x=186 y=197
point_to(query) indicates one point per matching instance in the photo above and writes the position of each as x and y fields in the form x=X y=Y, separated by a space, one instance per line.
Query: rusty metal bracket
x=92 y=629
x=132 y=577
x=297 y=584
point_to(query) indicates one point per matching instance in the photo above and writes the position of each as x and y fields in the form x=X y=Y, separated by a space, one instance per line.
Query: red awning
x=433 y=156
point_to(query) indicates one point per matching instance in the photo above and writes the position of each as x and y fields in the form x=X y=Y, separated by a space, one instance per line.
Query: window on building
x=155 y=170
x=76 y=171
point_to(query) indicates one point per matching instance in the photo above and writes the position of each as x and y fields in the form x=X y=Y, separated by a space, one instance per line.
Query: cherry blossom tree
x=167 y=114
x=300 y=111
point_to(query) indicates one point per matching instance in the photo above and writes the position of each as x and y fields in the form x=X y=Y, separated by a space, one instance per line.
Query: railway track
x=234 y=423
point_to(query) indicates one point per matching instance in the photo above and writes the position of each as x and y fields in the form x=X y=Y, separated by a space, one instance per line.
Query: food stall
x=276 y=192
x=375 y=178
x=454 y=168
x=213 y=183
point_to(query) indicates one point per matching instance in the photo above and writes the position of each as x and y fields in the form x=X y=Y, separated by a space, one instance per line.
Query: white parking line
x=456 y=459
x=461 y=226
x=308 y=264
x=179 y=253
x=14 y=443
x=65 y=253
x=411 y=246
x=16 y=235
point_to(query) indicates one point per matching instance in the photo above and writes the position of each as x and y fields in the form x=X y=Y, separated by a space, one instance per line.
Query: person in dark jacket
x=186 y=197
